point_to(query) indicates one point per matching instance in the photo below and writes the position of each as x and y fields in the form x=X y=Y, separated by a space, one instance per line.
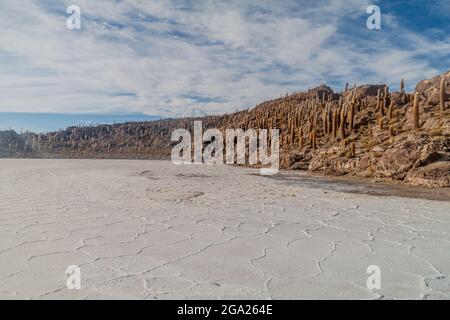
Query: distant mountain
x=47 y=122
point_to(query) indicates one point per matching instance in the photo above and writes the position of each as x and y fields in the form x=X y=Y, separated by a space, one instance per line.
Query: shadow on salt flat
x=354 y=185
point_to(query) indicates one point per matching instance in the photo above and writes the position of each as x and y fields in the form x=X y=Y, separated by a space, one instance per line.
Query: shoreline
x=345 y=184
x=359 y=185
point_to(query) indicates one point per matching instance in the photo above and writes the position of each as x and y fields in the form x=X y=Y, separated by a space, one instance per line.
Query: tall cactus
x=442 y=95
x=292 y=134
x=381 y=122
x=330 y=121
x=415 y=110
x=390 y=110
x=300 y=137
x=351 y=116
x=379 y=103
x=325 y=121
x=386 y=99
x=334 y=123
x=312 y=138
x=378 y=100
x=352 y=149
x=391 y=130
x=342 y=125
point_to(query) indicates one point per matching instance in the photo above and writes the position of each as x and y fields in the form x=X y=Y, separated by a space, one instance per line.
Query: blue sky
x=178 y=58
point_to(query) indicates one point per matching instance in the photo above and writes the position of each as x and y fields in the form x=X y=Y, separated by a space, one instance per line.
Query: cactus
x=402 y=88
x=334 y=123
x=325 y=121
x=379 y=104
x=390 y=110
x=292 y=134
x=329 y=121
x=386 y=99
x=300 y=137
x=442 y=95
x=312 y=138
x=354 y=93
x=415 y=110
x=391 y=130
x=351 y=116
x=352 y=149
x=342 y=125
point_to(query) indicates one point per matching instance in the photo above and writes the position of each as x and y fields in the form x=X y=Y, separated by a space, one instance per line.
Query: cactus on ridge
x=342 y=125
x=415 y=110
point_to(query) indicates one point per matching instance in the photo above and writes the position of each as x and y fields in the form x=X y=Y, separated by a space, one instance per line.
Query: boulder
x=436 y=174
x=396 y=161
x=378 y=149
x=299 y=160
x=320 y=91
x=429 y=89
x=370 y=90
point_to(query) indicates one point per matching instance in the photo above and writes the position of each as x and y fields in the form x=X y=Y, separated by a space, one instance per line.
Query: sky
x=173 y=58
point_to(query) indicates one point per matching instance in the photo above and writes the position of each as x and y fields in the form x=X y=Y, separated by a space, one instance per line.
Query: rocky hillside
x=365 y=131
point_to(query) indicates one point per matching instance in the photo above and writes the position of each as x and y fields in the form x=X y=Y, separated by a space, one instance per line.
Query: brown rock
x=396 y=161
x=430 y=89
x=370 y=90
x=434 y=157
x=433 y=175
x=299 y=161
x=378 y=149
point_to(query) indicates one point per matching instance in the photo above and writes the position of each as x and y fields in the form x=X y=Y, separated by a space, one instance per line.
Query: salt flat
x=150 y=229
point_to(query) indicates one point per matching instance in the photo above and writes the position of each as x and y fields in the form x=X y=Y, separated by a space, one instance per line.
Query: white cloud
x=164 y=58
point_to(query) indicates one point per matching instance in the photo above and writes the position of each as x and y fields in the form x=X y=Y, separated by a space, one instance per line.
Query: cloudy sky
x=175 y=58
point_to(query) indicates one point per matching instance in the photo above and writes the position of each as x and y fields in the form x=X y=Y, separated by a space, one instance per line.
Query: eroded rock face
x=429 y=89
x=432 y=169
x=321 y=90
x=299 y=160
x=436 y=174
x=370 y=90
x=396 y=161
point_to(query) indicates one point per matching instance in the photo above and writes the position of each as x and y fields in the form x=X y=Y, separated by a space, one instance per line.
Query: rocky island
x=365 y=131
